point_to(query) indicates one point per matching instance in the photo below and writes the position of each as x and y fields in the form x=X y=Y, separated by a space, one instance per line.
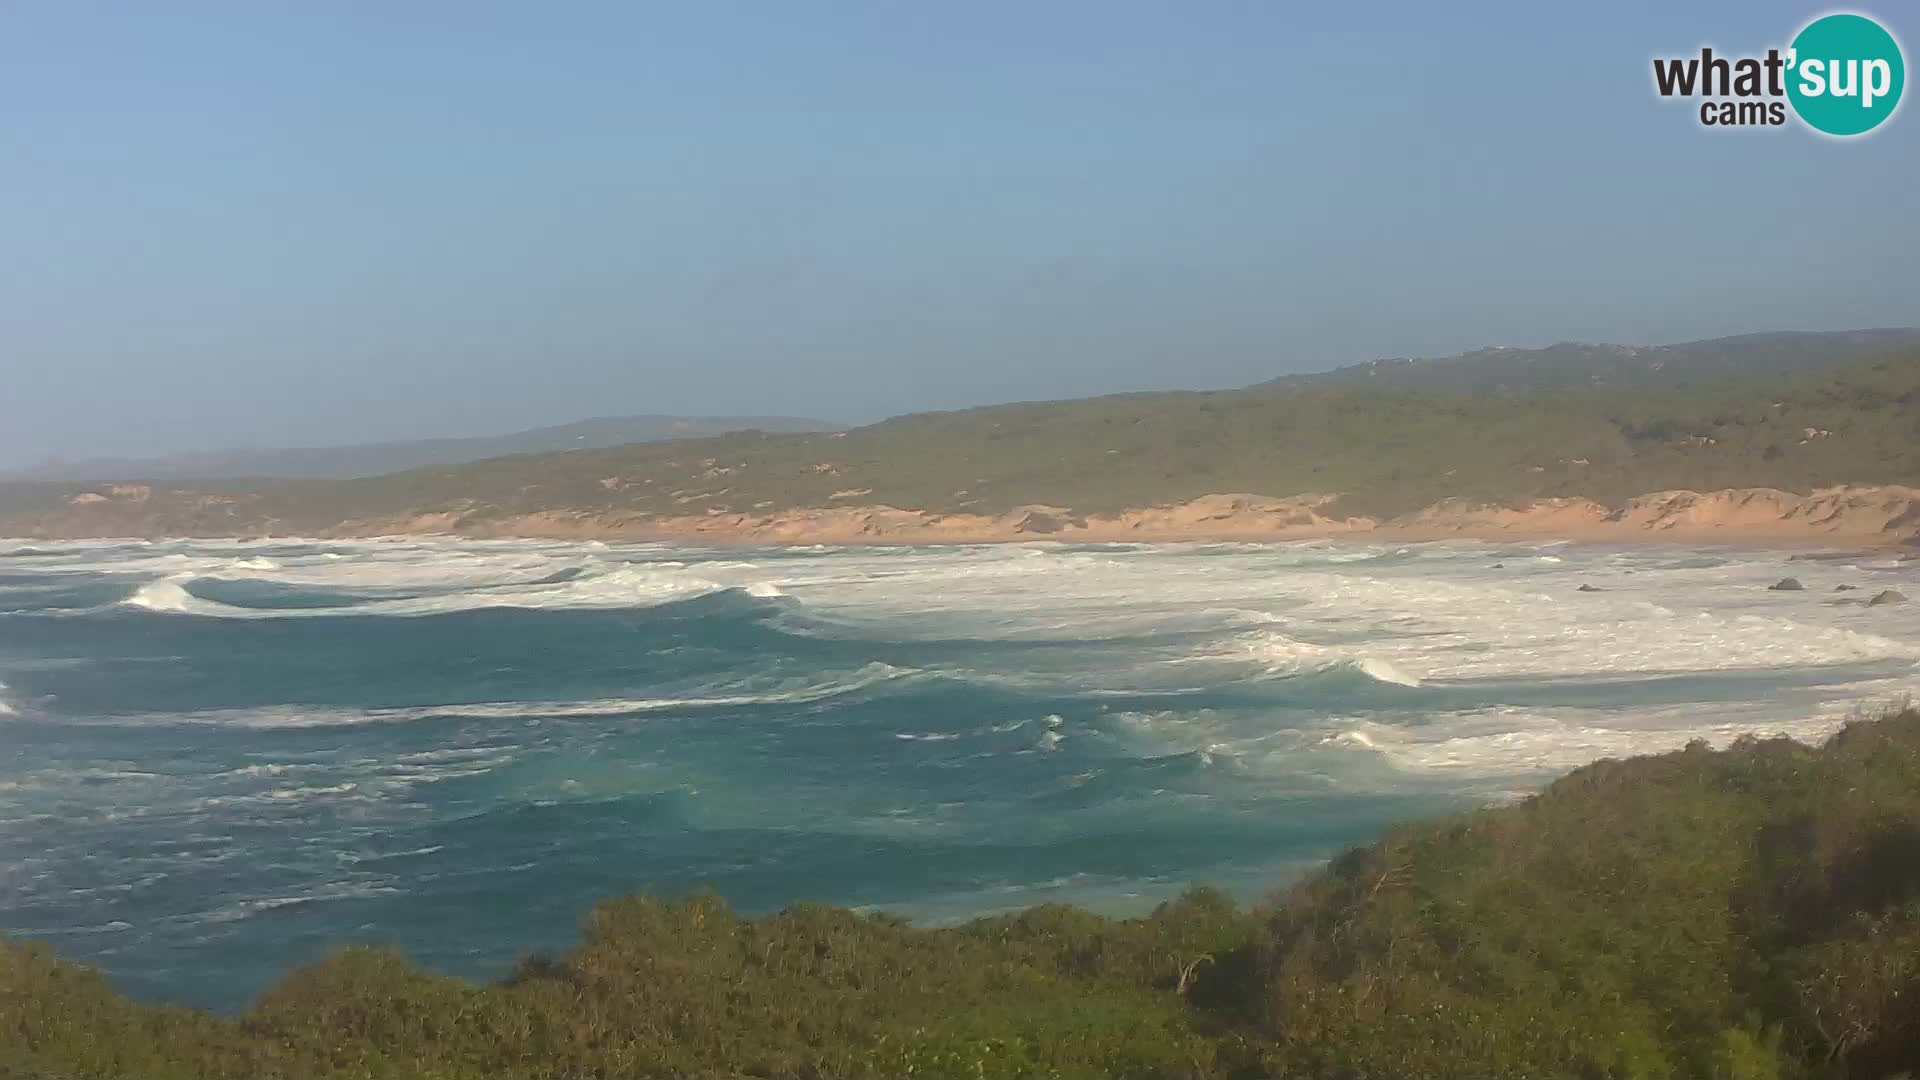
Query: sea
x=222 y=759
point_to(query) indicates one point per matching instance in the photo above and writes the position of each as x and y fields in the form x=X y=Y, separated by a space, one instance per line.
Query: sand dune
x=1870 y=516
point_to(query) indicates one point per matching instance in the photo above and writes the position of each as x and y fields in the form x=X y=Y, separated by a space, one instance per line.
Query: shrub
x=1750 y=914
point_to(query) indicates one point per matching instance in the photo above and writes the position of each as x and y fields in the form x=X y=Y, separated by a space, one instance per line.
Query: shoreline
x=1864 y=517
x=1885 y=517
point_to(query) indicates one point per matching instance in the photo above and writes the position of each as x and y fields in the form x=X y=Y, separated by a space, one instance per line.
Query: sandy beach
x=1864 y=516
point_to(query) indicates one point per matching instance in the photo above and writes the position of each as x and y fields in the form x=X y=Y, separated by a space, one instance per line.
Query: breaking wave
x=633 y=585
x=768 y=692
x=1382 y=671
x=218 y=740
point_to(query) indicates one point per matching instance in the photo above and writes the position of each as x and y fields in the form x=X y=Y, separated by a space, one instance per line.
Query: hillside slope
x=1571 y=364
x=1384 y=452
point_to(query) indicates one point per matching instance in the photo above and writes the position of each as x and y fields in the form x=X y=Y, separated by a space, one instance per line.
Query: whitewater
x=222 y=759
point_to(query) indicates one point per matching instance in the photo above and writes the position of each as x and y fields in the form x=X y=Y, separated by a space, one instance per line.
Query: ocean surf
x=225 y=758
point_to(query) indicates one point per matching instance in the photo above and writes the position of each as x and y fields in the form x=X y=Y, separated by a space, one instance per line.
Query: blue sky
x=233 y=223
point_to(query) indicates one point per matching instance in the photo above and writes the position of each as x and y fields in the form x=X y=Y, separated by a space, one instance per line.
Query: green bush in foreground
x=1749 y=914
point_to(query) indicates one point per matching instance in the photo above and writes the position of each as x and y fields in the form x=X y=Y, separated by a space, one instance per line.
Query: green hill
x=1387 y=450
x=1569 y=364
x=1742 y=914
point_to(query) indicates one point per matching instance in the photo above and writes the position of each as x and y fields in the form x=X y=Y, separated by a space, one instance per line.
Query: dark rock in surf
x=1845 y=588
x=1786 y=584
x=1888 y=597
x=1590 y=588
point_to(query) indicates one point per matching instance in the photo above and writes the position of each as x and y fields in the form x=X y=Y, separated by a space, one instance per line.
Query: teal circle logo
x=1845 y=74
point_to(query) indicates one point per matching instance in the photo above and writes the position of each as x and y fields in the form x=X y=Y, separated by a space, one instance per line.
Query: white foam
x=250 y=772
x=750 y=693
x=170 y=594
x=331 y=891
x=636 y=585
x=1382 y=671
x=114 y=927
x=304 y=793
x=1704 y=620
x=1518 y=745
x=351 y=858
x=1284 y=656
x=1167 y=619
x=1243 y=674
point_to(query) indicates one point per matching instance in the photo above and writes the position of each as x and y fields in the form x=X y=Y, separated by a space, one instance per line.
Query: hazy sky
x=292 y=223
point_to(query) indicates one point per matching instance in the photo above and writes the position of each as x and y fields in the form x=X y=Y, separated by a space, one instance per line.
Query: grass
x=1741 y=914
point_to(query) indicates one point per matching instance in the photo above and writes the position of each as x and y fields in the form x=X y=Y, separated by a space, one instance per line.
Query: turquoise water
x=222 y=759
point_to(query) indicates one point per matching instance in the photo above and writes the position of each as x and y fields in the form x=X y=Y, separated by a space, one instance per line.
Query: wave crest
x=621 y=585
x=745 y=695
x=1380 y=671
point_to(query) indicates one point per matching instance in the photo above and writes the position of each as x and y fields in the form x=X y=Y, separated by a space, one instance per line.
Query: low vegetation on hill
x=1747 y=914
x=1499 y=369
x=1386 y=450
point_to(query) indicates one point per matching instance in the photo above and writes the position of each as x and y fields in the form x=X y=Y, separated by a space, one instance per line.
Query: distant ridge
x=375 y=459
x=1493 y=370
x=1498 y=369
